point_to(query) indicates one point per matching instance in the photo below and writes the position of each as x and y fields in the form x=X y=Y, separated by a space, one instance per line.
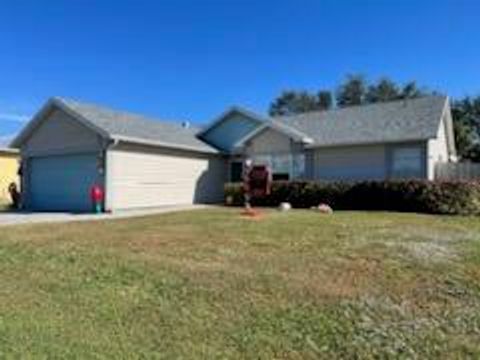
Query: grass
x=4 y=205
x=208 y=284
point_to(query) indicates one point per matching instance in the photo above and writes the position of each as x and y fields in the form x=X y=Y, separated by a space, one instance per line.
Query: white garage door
x=142 y=179
x=61 y=183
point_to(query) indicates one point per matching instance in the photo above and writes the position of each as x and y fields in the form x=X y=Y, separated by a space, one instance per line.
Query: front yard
x=209 y=284
x=4 y=205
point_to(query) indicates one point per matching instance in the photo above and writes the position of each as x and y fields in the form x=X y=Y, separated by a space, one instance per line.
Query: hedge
x=436 y=197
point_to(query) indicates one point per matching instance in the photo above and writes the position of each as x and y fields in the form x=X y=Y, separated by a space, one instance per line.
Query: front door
x=236 y=169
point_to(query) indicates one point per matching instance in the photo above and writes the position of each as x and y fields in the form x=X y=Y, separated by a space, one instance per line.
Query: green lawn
x=209 y=284
x=4 y=205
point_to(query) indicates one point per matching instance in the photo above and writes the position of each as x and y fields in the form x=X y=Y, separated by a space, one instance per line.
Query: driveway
x=18 y=218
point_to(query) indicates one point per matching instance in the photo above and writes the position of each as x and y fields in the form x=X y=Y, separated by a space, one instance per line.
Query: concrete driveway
x=18 y=218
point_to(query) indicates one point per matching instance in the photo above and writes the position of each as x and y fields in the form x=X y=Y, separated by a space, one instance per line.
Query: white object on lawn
x=285 y=206
x=324 y=209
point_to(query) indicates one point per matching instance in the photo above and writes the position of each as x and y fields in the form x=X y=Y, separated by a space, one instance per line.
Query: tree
x=293 y=102
x=464 y=137
x=466 y=122
x=296 y=102
x=351 y=91
x=411 y=91
x=325 y=100
x=384 y=90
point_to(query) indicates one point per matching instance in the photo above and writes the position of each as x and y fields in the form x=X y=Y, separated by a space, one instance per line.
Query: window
x=284 y=166
x=298 y=166
x=281 y=164
x=407 y=162
x=262 y=160
x=236 y=169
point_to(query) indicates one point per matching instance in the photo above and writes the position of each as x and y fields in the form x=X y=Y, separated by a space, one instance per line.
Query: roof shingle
x=136 y=127
x=396 y=121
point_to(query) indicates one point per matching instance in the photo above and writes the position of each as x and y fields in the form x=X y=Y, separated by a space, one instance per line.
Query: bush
x=436 y=197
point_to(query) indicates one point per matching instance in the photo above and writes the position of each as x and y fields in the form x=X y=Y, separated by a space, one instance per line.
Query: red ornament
x=96 y=193
x=258 y=181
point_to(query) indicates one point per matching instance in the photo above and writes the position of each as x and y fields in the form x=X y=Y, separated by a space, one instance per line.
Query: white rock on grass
x=324 y=209
x=284 y=206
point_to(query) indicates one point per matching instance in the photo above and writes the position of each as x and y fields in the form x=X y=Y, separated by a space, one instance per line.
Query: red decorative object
x=96 y=194
x=258 y=181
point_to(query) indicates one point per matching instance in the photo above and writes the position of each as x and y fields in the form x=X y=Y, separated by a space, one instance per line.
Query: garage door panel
x=61 y=183
x=140 y=179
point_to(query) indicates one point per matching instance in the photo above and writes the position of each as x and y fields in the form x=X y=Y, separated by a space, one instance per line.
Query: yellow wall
x=8 y=173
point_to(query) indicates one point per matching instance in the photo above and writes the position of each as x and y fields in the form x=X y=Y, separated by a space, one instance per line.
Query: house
x=8 y=171
x=391 y=140
x=68 y=146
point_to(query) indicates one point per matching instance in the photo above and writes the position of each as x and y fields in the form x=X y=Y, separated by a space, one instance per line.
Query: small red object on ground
x=96 y=196
x=96 y=193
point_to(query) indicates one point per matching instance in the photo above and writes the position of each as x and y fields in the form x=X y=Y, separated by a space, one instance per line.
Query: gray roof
x=396 y=121
x=136 y=128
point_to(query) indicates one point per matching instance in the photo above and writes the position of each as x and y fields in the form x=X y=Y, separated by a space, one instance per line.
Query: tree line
x=356 y=90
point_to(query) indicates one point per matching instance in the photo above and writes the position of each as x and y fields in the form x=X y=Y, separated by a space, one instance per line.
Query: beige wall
x=437 y=150
x=267 y=142
x=59 y=133
x=145 y=177
x=350 y=163
x=8 y=173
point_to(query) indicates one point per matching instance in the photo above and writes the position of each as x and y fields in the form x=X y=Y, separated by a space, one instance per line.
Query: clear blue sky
x=191 y=58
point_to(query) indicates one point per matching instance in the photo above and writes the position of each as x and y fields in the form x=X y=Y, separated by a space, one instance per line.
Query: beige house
x=8 y=172
x=69 y=146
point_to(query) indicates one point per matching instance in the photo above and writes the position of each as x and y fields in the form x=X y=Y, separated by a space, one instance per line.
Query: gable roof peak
x=123 y=126
x=231 y=110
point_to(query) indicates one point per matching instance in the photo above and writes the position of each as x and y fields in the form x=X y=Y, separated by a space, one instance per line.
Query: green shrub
x=438 y=197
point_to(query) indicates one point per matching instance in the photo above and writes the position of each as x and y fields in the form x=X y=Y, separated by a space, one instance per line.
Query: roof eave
x=161 y=144
x=365 y=143
x=40 y=115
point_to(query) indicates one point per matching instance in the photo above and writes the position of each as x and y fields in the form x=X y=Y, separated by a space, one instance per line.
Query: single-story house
x=8 y=171
x=69 y=146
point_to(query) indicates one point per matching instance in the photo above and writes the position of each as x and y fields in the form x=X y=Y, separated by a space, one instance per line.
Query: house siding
x=310 y=164
x=8 y=173
x=367 y=162
x=437 y=150
x=420 y=145
x=227 y=133
x=340 y=163
x=59 y=133
x=140 y=176
x=269 y=141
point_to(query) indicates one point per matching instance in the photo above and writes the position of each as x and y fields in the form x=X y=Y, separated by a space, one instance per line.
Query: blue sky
x=177 y=59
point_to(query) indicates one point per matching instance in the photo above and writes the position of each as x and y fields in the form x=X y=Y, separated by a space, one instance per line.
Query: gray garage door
x=61 y=183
